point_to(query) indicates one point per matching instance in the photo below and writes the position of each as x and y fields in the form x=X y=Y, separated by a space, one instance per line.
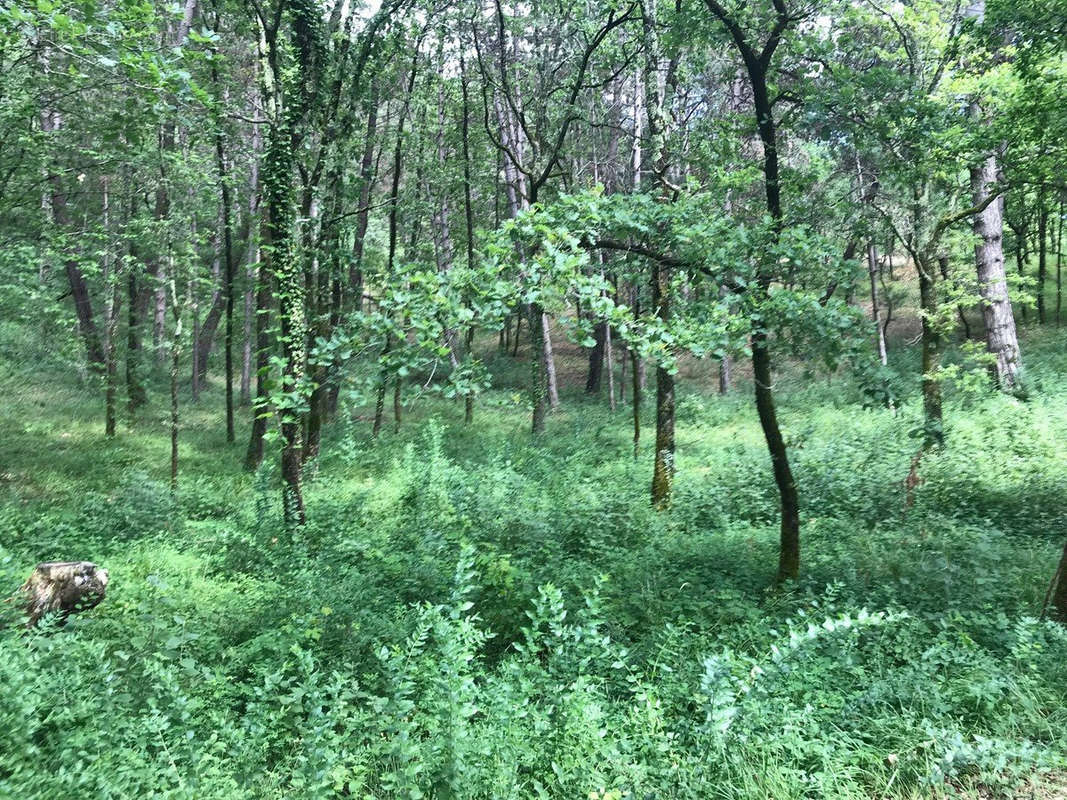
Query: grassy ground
x=470 y=615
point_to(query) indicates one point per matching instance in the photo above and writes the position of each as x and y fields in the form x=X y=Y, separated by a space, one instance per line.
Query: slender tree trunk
x=872 y=271
x=549 y=364
x=136 y=396
x=538 y=380
x=596 y=359
x=635 y=359
x=1059 y=263
x=261 y=407
x=79 y=291
x=112 y=284
x=663 y=465
x=468 y=216
x=789 y=562
x=931 y=355
x=227 y=284
x=194 y=305
x=609 y=357
x=175 y=352
x=251 y=269
x=366 y=179
x=397 y=406
x=1042 y=251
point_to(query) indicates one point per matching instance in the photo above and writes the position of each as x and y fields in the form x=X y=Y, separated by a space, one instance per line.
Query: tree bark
x=1001 y=338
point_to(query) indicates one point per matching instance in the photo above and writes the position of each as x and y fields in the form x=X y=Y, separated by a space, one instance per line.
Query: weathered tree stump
x=63 y=587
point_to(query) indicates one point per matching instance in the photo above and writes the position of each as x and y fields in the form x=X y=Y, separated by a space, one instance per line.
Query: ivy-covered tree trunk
x=282 y=262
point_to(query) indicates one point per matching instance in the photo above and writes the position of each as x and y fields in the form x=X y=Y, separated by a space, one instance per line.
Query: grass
x=469 y=614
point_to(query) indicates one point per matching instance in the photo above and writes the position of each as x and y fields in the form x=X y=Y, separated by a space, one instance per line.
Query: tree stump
x=63 y=587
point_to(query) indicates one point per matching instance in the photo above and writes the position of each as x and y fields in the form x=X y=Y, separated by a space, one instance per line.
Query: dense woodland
x=495 y=399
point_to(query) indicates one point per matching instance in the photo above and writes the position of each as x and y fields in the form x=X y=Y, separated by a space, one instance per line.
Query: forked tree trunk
x=756 y=64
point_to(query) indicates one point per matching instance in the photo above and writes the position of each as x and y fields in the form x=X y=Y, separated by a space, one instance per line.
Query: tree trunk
x=663 y=465
x=1059 y=591
x=1001 y=338
x=931 y=355
x=596 y=359
x=550 y=364
x=175 y=352
x=635 y=358
x=1059 y=263
x=872 y=271
x=136 y=396
x=249 y=313
x=1042 y=250
x=610 y=366
x=194 y=305
x=111 y=320
x=261 y=410
x=366 y=177
x=227 y=283
x=538 y=382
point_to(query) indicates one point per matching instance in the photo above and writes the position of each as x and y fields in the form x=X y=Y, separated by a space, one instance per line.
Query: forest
x=456 y=399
